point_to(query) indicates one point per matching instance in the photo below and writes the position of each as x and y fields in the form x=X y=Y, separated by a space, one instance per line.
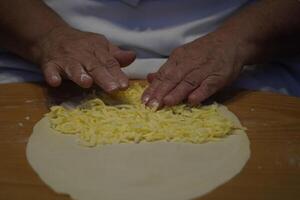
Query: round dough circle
x=160 y=170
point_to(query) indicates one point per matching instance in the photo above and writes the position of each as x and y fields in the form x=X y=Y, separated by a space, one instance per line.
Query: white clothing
x=152 y=28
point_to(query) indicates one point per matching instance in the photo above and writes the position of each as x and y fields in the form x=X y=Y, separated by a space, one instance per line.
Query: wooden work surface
x=273 y=122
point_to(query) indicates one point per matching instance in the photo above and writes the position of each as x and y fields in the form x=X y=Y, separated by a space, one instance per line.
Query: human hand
x=82 y=57
x=194 y=72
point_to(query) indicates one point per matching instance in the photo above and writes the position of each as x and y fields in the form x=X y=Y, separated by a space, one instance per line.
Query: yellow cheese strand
x=96 y=122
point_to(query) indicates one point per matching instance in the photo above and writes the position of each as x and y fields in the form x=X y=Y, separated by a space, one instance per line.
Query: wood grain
x=273 y=122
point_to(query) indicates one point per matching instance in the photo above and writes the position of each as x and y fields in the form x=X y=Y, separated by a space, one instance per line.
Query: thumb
x=124 y=57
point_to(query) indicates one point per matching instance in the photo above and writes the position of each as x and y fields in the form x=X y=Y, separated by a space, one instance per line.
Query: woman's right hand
x=82 y=57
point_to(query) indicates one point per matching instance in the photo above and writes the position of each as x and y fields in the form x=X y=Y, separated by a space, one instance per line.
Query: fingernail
x=84 y=77
x=146 y=99
x=153 y=104
x=113 y=86
x=123 y=85
x=55 y=78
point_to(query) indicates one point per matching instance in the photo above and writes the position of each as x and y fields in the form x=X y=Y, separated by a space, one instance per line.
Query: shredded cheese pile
x=96 y=121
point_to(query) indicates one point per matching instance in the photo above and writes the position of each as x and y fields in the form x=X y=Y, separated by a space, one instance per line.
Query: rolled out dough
x=145 y=171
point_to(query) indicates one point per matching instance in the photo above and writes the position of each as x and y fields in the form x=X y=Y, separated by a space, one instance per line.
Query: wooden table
x=273 y=122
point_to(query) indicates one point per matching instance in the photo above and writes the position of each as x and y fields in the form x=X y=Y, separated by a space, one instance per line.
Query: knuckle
x=95 y=41
x=101 y=38
x=151 y=76
x=190 y=82
x=160 y=75
x=51 y=65
x=111 y=63
x=91 y=66
x=168 y=75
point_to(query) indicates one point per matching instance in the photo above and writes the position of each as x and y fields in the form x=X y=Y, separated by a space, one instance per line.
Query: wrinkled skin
x=83 y=58
x=257 y=33
x=194 y=72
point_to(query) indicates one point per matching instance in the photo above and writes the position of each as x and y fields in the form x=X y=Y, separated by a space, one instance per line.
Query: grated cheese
x=122 y=118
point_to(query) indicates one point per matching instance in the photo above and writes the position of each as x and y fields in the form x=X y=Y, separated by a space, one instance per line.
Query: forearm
x=264 y=30
x=22 y=24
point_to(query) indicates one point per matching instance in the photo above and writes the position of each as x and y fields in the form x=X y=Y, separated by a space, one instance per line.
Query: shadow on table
x=67 y=91
x=226 y=96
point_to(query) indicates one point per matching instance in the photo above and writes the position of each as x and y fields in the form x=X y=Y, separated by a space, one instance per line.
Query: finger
x=160 y=92
x=172 y=76
x=158 y=77
x=189 y=83
x=207 y=88
x=151 y=77
x=100 y=74
x=51 y=74
x=124 y=58
x=148 y=92
x=75 y=72
x=113 y=67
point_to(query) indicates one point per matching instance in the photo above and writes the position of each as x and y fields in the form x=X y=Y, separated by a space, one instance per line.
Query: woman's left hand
x=194 y=72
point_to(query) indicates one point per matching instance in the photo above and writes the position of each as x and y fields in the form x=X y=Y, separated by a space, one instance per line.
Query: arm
x=195 y=71
x=35 y=32
x=24 y=23
x=267 y=29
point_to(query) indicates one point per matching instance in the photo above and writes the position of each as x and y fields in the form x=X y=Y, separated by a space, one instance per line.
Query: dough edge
x=42 y=130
